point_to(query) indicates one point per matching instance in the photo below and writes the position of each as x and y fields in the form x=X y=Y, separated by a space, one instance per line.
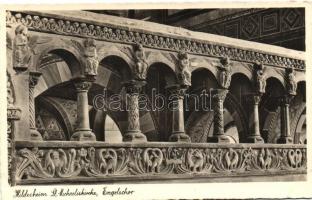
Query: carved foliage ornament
x=59 y=26
x=119 y=161
x=184 y=74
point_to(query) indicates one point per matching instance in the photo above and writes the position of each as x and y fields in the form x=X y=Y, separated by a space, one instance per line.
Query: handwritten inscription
x=65 y=192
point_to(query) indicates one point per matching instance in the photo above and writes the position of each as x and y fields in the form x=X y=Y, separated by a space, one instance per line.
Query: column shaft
x=285 y=137
x=254 y=134
x=218 y=121
x=176 y=97
x=133 y=133
x=33 y=80
x=83 y=131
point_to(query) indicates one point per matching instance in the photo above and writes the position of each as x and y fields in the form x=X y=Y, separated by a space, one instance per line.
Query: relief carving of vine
x=128 y=161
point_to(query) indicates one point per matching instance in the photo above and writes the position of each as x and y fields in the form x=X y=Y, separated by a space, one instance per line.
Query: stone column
x=133 y=133
x=33 y=80
x=218 y=121
x=285 y=137
x=83 y=131
x=176 y=100
x=254 y=127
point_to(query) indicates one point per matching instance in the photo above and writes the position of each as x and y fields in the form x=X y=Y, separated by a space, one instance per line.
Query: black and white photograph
x=142 y=96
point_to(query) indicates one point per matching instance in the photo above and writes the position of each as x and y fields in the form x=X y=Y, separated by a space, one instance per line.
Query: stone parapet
x=43 y=162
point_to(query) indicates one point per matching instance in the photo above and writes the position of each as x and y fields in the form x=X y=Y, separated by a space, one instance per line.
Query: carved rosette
x=21 y=51
x=260 y=80
x=91 y=57
x=140 y=68
x=105 y=162
x=184 y=74
x=225 y=73
x=291 y=81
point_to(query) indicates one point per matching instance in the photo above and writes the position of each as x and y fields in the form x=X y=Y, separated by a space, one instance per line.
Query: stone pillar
x=133 y=133
x=33 y=80
x=218 y=121
x=176 y=100
x=285 y=137
x=83 y=131
x=254 y=127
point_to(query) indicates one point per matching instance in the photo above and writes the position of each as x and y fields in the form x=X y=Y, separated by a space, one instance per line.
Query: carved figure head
x=21 y=30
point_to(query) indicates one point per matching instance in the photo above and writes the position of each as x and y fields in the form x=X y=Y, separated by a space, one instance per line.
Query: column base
x=35 y=135
x=255 y=139
x=83 y=135
x=135 y=136
x=219 y=139
x=179 y=137
x=284 y=140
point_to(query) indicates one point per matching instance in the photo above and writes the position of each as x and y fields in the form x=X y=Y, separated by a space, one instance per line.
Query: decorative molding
x=151 y=40
x=48 y=162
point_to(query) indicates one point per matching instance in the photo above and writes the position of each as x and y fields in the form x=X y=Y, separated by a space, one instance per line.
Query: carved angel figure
x=140 y=62
x=21 y=51
x=91 y=62
x=184 y=72
x=260 y=80
x=292 y=84
x=226 y=73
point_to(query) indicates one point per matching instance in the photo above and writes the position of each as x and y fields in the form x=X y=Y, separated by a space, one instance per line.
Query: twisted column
x=176 y=97
x=254 y=133
x=82 y=131
x=33 y=80
x=133 y=133
x=285 y=137
x=218 y=121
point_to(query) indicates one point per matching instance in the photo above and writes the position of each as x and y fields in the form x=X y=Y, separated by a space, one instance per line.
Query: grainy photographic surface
x=156 y=96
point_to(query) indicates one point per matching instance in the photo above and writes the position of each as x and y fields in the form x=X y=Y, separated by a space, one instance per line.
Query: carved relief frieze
x=123 y=35
x=153 y=161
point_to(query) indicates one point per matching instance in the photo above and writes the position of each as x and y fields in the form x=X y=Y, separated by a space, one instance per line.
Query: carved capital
x=177 y=91
x=285 y=100
x=134 y=87
x=82 y=84
x=13 y=114
x=254 y=98
x=34 y=78
x=219 y=94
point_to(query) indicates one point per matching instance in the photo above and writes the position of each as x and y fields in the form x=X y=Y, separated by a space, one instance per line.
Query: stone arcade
x=57 y=62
